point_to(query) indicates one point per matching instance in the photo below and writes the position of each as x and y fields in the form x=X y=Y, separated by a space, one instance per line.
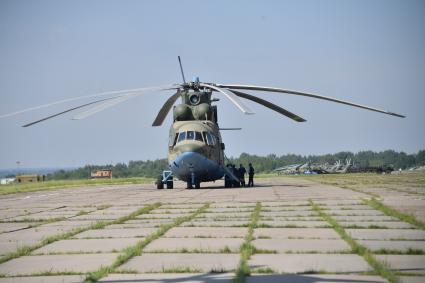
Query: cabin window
x=182 y=136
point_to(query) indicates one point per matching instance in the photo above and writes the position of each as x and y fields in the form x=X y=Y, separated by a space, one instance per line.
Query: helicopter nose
x=190 y=147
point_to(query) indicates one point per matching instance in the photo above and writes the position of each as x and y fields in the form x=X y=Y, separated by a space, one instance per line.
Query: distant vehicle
x=195 y=149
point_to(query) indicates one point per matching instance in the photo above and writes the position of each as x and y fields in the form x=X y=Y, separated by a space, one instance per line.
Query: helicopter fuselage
x=195 y=149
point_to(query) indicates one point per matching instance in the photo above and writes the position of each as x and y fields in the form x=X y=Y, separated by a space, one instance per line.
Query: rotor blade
x=66 y=111
x=273 y=89
x=105 y=105
x=90 y=96
x=165 y=109
x=269 y=105
x=231 y=96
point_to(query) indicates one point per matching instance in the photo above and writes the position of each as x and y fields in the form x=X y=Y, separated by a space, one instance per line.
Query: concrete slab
x=301 y=213
x=28 y=265
x=404 y=263
x=87 y=245
x=171 y=261
x=347 y=207
x=161 y=216
x=172 y=211
x=226 y=215
x=371 y=218
x=294 y=224
x=412 y=279
x=116 y=233
x=9 y=227
x=393 y=245
x=207 y=232
x=301 y=245
x=358 y=212
x=230 y=209
x=376 y=224
x=316 y=278
x=12 y=246
x=285 y=233
x=45 y=279
x=216 y=223
x=169 y=277
x=300 y=263
x=386 y=234
x=194 y=244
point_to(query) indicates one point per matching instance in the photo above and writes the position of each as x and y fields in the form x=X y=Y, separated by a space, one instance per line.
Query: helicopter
x=195 y=147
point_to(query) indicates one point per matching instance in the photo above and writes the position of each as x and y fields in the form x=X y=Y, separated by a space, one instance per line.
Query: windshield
x=192 y=135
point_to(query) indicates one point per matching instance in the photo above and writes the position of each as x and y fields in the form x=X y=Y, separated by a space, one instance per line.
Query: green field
x=49 y=185
x=413 y=179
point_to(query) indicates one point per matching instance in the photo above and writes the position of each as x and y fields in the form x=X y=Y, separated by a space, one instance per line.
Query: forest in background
x=262 y=164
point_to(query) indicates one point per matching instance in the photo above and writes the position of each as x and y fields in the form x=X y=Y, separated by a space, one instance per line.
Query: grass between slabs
x=379 y=267
x=247 y=249
x=137 y=249
x=26 y=250
x=394 y=213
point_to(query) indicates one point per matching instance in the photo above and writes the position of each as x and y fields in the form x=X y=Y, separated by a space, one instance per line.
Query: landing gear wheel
x=170 y=184
x=159 y=183
x=197 y=185
x=189 y=185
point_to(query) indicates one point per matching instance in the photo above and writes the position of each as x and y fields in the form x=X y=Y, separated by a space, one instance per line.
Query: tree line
x=262 y=164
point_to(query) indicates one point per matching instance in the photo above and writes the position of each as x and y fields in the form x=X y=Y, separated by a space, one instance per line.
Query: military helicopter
x=195 y=148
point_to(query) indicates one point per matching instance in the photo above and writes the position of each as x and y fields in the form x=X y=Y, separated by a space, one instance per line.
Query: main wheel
x=159 y=185
x=197 y=185
x=169 y=184
x=189 y=185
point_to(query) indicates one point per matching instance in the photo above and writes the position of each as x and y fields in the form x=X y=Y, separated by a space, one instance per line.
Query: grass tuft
x=247 y=249
x=411 y=219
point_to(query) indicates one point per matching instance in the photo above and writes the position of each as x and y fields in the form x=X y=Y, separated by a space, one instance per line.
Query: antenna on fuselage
x=181 y=69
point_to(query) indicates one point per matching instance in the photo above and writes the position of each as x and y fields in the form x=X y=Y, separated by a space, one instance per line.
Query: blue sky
x=369 y=52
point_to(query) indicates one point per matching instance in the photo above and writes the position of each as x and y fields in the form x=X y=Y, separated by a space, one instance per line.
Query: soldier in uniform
x=242 y=172
x=251 y=176
x=235 y=172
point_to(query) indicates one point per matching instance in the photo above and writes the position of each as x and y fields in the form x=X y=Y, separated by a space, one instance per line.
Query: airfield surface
x=301 y=231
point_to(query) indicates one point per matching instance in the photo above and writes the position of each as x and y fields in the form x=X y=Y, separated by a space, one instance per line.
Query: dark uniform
x=227 y=178
x=251 y=176
x=242 y=172
x=235 y=172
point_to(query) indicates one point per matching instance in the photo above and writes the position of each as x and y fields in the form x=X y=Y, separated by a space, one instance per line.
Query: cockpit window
x=190 y=135
x=198 y=136
x=182 y=136
x=210 y=139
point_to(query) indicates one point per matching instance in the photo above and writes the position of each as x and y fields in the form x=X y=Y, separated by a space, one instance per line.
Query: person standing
x=235 y=172
x=242 y=172
x=251 y=172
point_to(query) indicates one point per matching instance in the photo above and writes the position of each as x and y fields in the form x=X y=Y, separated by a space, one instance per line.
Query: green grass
x=380 y=268
x=247 y=249
x=137 y=249
x=394 y=213
x=50 y=185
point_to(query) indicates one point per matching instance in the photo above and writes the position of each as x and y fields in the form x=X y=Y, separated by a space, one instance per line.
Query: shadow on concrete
x=272 y=278
x=251 y=188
